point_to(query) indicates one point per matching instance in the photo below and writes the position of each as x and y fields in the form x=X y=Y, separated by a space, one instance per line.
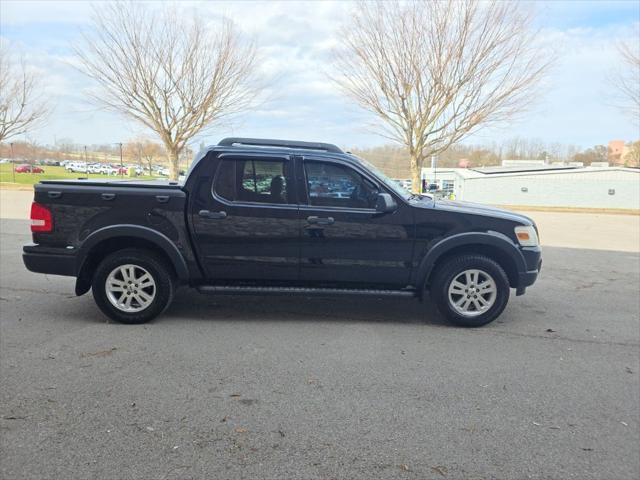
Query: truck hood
x=476 y=209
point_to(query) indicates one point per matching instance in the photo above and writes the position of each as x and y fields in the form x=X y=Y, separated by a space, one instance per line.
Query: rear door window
x=225 y=185
x=261 y=181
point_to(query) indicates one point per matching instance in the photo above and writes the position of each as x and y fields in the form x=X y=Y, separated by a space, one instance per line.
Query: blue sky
x=295 y=39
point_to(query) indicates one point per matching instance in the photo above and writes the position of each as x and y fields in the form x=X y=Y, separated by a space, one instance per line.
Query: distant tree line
x=391 y=159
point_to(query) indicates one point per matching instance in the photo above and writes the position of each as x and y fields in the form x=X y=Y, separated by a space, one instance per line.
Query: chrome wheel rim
x=130 y=288
x=472 y=292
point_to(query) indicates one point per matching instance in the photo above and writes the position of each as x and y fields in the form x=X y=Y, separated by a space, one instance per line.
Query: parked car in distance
x=106 y=169
x=263 y=217
x=94 y=168
x=76 y=167
x=26 y=168
x=406 y=184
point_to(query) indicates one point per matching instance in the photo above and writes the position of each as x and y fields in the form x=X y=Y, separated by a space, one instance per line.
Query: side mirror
x=385 y=203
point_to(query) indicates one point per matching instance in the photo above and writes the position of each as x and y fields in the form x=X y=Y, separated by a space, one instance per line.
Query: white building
x=580 y=187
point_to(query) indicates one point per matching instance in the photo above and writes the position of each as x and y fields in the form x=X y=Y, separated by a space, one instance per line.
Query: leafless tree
x=142 y=149
x=174 y=74
x=632 y=157
x=23 y=106
x=627 y=78
x=436 y=71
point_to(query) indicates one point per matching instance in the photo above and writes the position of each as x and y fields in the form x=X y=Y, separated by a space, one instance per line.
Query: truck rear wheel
x=133 y=286
x=470 y=290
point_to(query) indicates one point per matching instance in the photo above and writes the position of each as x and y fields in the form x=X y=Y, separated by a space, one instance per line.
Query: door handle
x=54 y=194
x=162 y=198
x=320 y=220
x=214 y=215
x=108 y=196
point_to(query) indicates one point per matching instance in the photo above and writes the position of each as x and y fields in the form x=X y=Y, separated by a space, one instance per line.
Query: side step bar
x=231 y=290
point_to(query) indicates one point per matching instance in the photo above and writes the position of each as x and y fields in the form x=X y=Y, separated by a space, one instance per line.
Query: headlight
x=527 y=236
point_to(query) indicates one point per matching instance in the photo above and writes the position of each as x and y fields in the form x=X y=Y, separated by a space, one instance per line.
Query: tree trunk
x=416 y=173
x=174 y=157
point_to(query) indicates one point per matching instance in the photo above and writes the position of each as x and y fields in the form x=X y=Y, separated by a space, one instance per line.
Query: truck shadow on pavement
x=194 y=306
x=576 y=286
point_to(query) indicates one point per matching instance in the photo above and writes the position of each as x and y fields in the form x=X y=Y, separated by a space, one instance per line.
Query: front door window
x=333 y=185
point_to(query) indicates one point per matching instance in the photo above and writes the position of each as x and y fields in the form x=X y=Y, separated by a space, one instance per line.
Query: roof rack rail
x=268 y=142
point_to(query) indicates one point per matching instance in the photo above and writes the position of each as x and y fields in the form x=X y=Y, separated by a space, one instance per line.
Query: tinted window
x=333 y=185
x=261 y=181
x=225 y=180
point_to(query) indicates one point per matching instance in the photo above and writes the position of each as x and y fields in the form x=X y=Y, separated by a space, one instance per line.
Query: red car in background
x=25 y=168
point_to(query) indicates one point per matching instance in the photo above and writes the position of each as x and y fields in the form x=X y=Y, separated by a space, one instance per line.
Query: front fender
x=492 y=239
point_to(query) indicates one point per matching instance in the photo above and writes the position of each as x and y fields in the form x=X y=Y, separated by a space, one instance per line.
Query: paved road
x=282 y=388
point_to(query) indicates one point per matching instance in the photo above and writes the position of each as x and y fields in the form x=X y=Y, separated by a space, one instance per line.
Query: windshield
x=392 y=184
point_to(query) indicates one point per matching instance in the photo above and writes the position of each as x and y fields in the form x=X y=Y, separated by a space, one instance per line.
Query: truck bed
x=84 y=210
x=107 y=182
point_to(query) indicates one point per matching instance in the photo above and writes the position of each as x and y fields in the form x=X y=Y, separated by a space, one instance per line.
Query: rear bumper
x=53 y=261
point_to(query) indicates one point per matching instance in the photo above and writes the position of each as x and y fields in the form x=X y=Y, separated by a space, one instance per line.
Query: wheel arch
x=107 y=240
x=494 y=245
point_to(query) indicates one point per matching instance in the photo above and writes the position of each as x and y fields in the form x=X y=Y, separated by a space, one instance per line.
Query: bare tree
x=436 y=71
x=133 y=151
x=143 y=149
x=150 y=152
x=175 y=75
x=22 y=104
x=627 y=78
x=632 y=157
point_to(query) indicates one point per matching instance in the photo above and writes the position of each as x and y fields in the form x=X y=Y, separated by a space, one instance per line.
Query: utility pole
x=121 y=164
x=434 y=165
x=86 y=165
x=13 y=165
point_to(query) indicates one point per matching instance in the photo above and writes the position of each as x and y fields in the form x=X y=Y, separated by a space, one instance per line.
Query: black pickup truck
x=278 y=217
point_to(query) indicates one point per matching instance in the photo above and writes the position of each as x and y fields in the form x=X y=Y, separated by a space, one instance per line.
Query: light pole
x=434 y=165
x=13 y=165
x=86 y=165
x=121 y=164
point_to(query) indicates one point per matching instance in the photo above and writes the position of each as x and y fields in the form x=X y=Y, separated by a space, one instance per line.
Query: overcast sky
x=295 y=40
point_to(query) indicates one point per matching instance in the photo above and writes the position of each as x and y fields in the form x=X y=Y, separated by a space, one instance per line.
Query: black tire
x=143 y=259
x=451 y=270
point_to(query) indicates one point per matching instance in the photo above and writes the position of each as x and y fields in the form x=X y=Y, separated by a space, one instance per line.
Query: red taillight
x=41 y=218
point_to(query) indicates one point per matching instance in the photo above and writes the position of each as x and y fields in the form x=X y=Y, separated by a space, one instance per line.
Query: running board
x=232 y=290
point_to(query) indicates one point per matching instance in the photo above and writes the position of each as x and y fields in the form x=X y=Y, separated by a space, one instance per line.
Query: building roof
x=494 y=172
x=527 y=169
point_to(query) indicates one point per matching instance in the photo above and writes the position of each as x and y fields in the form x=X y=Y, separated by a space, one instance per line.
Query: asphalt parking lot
x=292 y=388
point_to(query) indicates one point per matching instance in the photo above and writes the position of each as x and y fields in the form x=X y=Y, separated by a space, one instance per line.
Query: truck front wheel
x=470 y=290
x=133 y=286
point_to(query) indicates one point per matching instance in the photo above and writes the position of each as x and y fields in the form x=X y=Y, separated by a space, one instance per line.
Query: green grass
x=52 y=173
